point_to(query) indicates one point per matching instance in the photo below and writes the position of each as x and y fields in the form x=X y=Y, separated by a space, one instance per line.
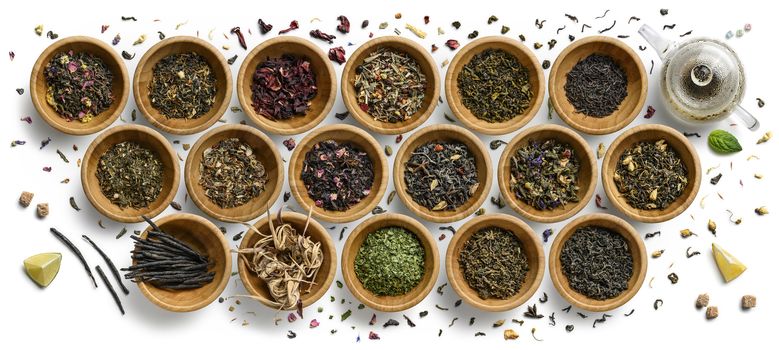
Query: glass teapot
x=702 y=80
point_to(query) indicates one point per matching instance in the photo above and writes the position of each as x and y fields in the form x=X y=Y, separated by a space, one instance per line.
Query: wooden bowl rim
x=558 y=278
x=653 y=131
x=570 y=120
x=326 y=244
x=38 y=100
x=465 y=115
x=246 y=101
x=92 y=193
x=348 y=93
x=457 y=133
x=144 y=106
x=335 y=216
x=195 y=191
x=504 y=174
x=350 y=246
x=192 y=219
x=523 y=232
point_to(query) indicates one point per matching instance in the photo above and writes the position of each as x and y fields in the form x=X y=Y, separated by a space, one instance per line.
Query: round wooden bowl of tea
x=302 y=224
x=586 y=178
x=205 y=238
x=385 y=303
x=179 y=45
x=323 y=71
x=523 y=55
x=426 y=64
x=625 y=57
x=266 y=154
x=444 y=133
x=340 y=133
x=637 y=252
x=147 y=138
x=531 y=246
x=120 y=85
x=652 y=133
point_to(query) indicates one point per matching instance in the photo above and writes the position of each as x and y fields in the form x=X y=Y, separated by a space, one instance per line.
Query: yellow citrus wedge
x=728 y=265
x=42 y=268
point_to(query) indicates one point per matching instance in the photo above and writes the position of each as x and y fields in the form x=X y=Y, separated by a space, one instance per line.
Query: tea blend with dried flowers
x=390 y=85
x=597 y=262
x=78 y=85
x=544 y=174
x=283 y=87
x=230 y=173
x=390 y=262
x=494 y=86
x=182 y=85
x=650 y=175
x=441 y=175
x=337 y=175
x=494 y=263
x=130 y=175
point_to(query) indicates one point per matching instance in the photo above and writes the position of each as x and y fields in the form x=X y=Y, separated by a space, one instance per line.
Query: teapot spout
x=660 y=44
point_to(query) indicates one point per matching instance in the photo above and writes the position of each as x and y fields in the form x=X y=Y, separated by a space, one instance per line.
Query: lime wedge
x=42 y=268
x=728 y=265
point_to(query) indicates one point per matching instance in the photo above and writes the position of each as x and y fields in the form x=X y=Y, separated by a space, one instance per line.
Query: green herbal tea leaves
x=494 y=86
x=390 y=262
x=544 y=174
x=130 y=175
x=650 y=175
x=494 y=263
x=723 y=142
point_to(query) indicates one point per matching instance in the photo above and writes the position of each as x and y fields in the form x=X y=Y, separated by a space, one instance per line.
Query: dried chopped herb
x=390 y=262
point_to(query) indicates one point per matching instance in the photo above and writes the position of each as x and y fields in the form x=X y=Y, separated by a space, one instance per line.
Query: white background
x=70 y=311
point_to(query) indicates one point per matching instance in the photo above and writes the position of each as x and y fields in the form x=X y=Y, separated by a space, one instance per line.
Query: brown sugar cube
x=748 y=301
x=712 y=312
x=43 y=210
x=702 y=301
x=26 y=198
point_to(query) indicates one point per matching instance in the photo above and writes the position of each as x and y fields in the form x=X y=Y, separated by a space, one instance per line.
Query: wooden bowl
x=652 y=132
x=146 y=137
x=120 y=86
x=427 y=65
x=532 y=248
x=443 y=132
x=389 y=303
x=177 y=45
x=325 y=81
x=205 y=238
x=588 y=172
x=523 y=55
x=340 y=133
x=626 y=58
x=266 y=153
x=637 y=251
x=324 y=278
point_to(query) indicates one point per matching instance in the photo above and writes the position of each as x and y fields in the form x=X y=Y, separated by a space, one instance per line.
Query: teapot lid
x=704 y=78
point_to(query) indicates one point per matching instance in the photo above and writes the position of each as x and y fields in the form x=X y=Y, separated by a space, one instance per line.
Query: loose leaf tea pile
x=390 y=262
x=545 y=174
x=166 y=262
x=78 y=85
x=494 y=86
x=337 y=175
x=231 y=174
x=130 y=175
x=182 y=86
x=390 y=85
x=597 y=262
x=285 y=259
x=650 y=175
x=283 y=87
x=494 y=263
x=596 y=86
x=441 y=175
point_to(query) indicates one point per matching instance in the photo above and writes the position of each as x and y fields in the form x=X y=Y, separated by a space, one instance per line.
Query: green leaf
x=724 y=142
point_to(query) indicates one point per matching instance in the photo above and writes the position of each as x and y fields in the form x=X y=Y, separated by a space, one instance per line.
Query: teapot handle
x=751 y=122
x=660 y=44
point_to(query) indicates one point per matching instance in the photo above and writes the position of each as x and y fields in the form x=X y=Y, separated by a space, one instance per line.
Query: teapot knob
x=701 y=75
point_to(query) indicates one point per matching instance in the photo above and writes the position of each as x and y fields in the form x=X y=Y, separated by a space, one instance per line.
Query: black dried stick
x=110 y=288
x=75 y=250
x=110 y=264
